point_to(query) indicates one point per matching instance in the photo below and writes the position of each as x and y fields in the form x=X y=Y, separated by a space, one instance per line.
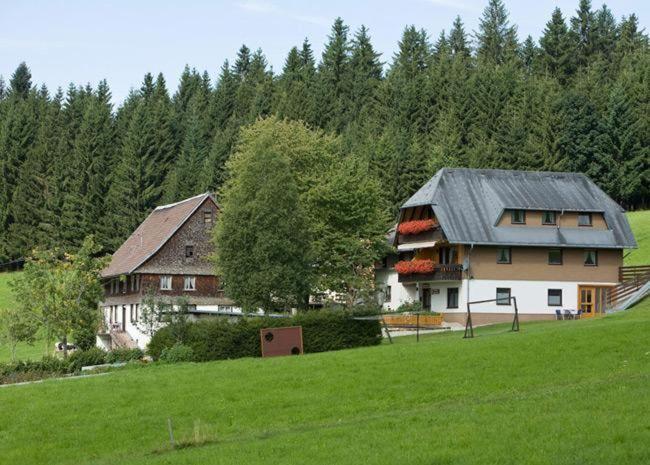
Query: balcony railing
x=452 y=272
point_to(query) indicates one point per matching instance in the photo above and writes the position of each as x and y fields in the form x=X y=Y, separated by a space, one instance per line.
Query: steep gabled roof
x=152 y=234
x=469 y=202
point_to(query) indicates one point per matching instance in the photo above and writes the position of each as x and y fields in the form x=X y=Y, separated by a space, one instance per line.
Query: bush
x=85 y=337
x=177 y=353
x=29 y=370
x=124 y=355
x=410 y=307
x=84 y=358
x=222 y=338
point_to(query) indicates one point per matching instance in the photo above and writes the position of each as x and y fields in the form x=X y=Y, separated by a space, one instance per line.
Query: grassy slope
x=640 y=223
x=557 y=392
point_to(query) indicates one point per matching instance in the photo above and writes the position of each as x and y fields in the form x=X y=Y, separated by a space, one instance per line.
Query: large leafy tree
x=263 y=251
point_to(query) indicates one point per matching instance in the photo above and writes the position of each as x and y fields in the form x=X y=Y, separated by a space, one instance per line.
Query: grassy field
x=6 y=297
x=640 y=223
x=566 y=392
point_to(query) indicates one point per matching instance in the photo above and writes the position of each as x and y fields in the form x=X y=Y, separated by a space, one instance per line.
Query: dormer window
x=518 y=217
x=548 y=217
x=584 y=219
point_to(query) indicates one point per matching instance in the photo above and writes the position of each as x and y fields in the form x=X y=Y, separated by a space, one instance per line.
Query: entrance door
x=426 y=299
x=587 y=301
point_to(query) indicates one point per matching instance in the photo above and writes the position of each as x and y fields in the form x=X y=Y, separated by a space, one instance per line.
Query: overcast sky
x=85 y=41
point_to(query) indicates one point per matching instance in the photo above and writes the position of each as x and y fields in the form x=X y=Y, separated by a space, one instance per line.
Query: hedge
x=222 y=338
x=47 y=367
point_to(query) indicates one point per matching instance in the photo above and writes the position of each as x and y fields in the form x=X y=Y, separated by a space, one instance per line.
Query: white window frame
x=189 y=283
x=166 y=283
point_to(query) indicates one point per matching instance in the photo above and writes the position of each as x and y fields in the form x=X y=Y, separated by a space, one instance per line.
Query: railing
x=407 y=321
x=632 y=279
x=627 y=273
x=451 y=272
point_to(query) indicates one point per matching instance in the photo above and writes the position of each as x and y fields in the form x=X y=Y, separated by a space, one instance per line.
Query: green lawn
x=640 y=223
x=567 y=392
x=6 y=297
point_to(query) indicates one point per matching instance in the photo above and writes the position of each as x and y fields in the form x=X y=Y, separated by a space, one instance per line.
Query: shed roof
x=469 y=202
x=152 y=234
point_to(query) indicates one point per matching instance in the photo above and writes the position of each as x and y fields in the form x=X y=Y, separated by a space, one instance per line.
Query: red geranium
x=414 y=267
x=416 y=226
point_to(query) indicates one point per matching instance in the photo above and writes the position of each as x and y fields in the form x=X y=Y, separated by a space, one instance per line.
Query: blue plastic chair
x=558 y=314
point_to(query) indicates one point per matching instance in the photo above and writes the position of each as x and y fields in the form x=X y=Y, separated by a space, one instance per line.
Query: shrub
x=29 y=370
x=177 y=353
x=84 y=358
x=124 y=355
x=410 y=307
x=85 y=337
x=222 y=338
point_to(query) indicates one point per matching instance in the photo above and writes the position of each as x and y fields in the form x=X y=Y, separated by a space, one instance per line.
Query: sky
x=120 y=40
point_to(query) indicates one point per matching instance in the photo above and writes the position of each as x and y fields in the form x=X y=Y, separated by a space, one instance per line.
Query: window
x=503 y=296
x=555 y=297
x=131 y=313
x=125 y=284
x=548 y=218
x=446 y=255
x=207 y=216
x=452 y=297
x=137 y=311
x=387 y=294
x=591 y=258
x=584 y=219
x=518 y=216
x=503 y=255
x=189 y=251
x=555 y=257
x=166 y=283
x=189 y=283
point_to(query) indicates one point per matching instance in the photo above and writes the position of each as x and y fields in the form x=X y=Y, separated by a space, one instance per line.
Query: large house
x=554 y=241
x=166 y=257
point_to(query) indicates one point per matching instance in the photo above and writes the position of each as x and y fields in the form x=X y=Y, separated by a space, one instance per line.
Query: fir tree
x=21 y=81
x=556 y=51
x=497 y=39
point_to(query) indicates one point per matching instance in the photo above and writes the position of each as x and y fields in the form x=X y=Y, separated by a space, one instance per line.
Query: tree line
x=577 y=99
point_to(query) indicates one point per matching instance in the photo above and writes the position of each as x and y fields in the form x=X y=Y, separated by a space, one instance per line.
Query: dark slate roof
x=469 y=202
x=152 y=234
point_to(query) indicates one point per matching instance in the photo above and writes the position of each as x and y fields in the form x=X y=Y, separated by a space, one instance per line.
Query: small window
x=518 y=216
x=548 y=217
x=503 y=296
x=555 y=257
x=207 y=216
x=189 y=251
x=189 y=283
x=137 y=311
x=166 y=283
x=387 y=294
x=503 y=255
x=591 y=258
x=452 y=297
x=584 y=219
x=555 y=297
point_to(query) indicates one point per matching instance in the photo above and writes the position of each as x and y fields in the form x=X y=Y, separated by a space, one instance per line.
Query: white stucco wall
x=532 y=296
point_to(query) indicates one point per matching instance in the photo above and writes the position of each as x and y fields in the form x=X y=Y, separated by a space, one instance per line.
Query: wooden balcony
x=452 y=272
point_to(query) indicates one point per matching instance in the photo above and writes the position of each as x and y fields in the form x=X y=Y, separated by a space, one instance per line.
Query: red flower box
x=416 y=226
x=415 y=267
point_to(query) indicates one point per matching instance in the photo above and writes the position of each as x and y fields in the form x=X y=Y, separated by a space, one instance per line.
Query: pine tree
x=581 y=33
x=497 y=39
x=333 y=79
x=458 y=42
x=21 y=81
x=555 y=48
x=365 y=73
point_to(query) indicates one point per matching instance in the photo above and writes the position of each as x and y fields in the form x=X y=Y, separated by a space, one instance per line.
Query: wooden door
x=587 y=300
x=426 y=299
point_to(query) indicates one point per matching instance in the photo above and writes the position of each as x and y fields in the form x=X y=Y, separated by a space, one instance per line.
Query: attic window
x=207 y=216
x=548 y=218
x=584 y=219
x=189 y=251
x=518 y=216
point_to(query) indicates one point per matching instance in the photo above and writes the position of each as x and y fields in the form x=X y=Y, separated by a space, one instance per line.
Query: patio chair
x=579 y=315
x=558 y=314
x=568 y=315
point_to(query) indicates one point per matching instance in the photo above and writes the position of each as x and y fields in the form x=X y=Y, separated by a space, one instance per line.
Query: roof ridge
x=170 y=205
